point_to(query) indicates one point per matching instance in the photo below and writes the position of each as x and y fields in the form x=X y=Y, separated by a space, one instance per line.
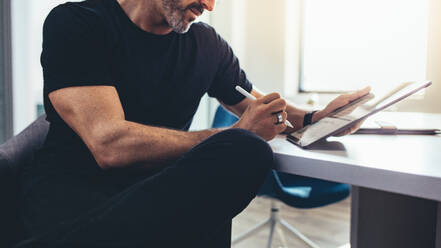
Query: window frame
x=6 y=71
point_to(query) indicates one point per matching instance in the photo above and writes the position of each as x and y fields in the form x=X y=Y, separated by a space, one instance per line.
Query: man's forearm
x=295 y=116
x=129 y=144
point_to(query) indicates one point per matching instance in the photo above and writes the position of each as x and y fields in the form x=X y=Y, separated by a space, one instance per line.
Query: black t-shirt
x=160 y=79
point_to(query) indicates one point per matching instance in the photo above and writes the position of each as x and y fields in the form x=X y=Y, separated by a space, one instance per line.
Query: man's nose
x=208 y=4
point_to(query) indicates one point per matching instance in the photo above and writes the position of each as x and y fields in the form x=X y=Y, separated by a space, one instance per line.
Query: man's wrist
x=318 y=116
x=307 y=118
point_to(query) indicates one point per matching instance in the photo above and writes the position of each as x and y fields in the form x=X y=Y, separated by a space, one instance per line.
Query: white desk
x=396 y=180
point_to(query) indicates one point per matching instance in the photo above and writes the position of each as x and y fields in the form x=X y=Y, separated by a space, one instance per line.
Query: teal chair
x=295 y=191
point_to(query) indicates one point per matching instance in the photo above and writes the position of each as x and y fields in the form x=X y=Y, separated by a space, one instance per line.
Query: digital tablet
x=346 y=116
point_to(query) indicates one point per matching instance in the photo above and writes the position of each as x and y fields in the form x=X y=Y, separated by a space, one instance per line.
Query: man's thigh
x=186 y=203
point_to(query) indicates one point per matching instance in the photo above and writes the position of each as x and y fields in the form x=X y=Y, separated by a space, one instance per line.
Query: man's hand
x=339 y=102
x=260 y=116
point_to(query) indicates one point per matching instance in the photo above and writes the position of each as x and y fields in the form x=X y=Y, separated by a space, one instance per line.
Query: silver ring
x=279 y=118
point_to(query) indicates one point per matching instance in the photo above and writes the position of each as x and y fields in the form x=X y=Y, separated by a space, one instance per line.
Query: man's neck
x=147 y=15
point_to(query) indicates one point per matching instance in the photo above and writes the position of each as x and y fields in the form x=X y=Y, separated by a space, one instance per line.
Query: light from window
x=347 y=44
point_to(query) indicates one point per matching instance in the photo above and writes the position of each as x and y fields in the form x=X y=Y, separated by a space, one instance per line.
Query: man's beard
x=175 y=15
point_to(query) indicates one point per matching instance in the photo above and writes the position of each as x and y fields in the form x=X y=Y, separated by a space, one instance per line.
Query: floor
x=327 y=226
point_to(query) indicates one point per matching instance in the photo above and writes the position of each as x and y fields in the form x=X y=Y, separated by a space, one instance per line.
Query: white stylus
x=251 y=97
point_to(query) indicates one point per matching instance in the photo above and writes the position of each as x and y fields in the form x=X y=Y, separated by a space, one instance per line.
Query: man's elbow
x=103 y=149
x=104 y=157
x=105 y=162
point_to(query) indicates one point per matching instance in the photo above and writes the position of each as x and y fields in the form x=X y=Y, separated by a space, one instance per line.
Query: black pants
x=188 y=204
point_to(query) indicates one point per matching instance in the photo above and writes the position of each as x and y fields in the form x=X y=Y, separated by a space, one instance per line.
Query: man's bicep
x=86 y=108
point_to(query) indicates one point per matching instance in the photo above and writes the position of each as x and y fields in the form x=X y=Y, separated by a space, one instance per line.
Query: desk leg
x=438 y=227
x=383 y=220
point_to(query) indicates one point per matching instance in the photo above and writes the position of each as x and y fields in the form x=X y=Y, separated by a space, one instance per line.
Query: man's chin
x=183 y=28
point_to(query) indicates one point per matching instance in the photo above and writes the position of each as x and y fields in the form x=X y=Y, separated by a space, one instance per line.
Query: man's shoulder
x=202 y=27
x=204 y=30
x=206 y=34
x=73 y=16
x=210 y=39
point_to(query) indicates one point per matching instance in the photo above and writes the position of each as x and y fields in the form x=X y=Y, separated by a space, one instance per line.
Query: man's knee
x=248 y=160
x=248 y=154
x=235 y=162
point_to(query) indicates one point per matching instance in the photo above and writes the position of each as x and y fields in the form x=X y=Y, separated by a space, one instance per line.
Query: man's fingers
x=276 y=106
x=276 y=118
x=268 y=98
x=359 y=93
x=344 y=132
x=356 y=127
x=363 y=91
x=282 y=126
x=352 y=129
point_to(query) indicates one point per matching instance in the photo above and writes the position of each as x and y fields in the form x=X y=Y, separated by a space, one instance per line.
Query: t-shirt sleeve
x=75 y=50
x=228 y=76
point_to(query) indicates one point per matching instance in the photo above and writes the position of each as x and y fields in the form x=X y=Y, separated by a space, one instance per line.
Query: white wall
x=22 y=95
x=255 y=30
x=27 y=26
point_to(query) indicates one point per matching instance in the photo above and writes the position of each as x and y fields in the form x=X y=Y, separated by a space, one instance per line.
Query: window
x=347 y=44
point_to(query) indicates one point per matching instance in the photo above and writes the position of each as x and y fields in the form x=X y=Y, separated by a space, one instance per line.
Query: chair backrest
x=223 y=118
x=14 y=154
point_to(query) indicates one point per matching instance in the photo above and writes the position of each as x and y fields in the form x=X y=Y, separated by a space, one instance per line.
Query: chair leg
x=281 y=236
x=271 y=234
x=253 y=230
x=275 y=224
x=298 y=234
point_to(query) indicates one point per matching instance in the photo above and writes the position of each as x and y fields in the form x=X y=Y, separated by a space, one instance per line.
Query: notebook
x=383 y=127
x=348 y=115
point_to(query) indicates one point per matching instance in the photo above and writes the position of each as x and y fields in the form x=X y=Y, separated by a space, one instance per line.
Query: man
x=122 y=81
